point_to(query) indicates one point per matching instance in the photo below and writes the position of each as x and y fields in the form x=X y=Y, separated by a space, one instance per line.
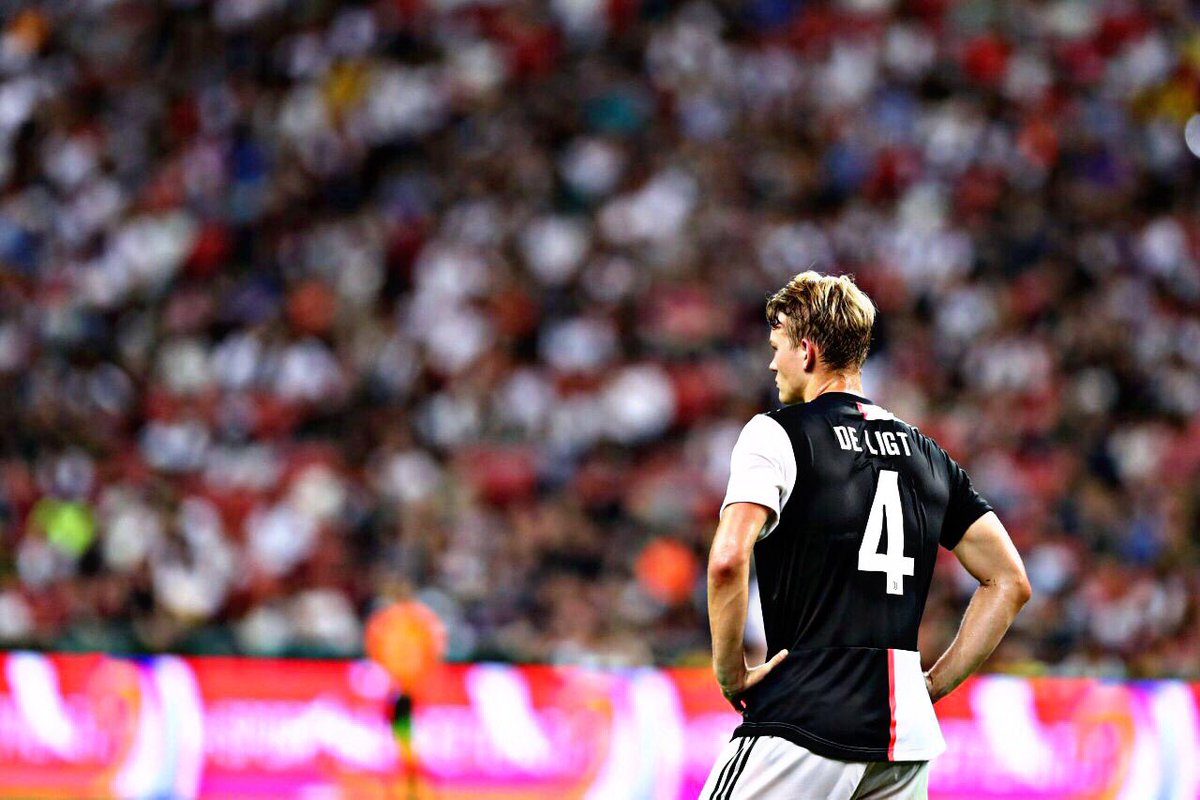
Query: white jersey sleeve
x=762 y=468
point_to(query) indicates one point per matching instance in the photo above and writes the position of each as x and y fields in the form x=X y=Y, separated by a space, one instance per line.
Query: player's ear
x=809 y=353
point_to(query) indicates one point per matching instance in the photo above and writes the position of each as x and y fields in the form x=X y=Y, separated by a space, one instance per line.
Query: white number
x=893 y=563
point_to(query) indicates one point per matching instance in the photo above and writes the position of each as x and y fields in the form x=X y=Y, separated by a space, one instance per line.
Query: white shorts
x=754 y=767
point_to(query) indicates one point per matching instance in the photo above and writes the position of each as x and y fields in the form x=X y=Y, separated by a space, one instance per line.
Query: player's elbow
x=726 y=566
x=1021 y=590
x=1016 y=588
x=1012 y=586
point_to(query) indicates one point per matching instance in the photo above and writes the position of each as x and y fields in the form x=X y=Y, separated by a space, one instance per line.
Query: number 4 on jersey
x=893 y=563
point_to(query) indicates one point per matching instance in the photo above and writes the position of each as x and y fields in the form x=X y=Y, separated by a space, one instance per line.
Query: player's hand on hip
x=734 y=688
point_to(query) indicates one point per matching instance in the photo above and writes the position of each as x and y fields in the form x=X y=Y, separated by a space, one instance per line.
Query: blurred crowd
x=306 y=306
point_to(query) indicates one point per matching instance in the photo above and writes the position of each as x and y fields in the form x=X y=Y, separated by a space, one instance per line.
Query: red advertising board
x=95 y=726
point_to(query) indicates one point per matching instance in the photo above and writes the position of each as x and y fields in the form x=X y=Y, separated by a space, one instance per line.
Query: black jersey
x=862 y=501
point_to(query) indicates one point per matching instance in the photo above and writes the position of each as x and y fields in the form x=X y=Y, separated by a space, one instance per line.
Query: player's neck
x=834 y=382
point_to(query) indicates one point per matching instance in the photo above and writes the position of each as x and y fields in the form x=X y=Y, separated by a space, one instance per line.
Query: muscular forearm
x=728 y=595
x=989 y=615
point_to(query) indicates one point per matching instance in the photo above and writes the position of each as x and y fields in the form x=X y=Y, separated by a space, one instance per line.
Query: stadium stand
x=307 y=305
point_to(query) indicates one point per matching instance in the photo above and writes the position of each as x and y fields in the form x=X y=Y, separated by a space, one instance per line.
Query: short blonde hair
x=829 y=310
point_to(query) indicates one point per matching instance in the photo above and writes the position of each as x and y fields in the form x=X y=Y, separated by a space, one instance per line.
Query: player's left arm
x=728 y=595
x=987 y=552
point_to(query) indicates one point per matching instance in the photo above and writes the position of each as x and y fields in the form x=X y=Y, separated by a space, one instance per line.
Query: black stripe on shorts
x=725 y=770
x=737 y=773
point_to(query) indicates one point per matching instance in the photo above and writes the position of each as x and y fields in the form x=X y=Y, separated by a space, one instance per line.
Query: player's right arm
x=728 y=593
x=987 y=552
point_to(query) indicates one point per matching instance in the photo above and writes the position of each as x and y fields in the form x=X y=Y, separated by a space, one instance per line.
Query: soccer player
x=844 y=507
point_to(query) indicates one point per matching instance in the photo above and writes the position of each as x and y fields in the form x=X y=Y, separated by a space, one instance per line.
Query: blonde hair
x=828 y=310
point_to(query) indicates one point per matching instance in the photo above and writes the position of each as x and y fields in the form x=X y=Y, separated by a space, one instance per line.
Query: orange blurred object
x=408 y=640
x=667 y=570
x=29 y=28
x=311 y=307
